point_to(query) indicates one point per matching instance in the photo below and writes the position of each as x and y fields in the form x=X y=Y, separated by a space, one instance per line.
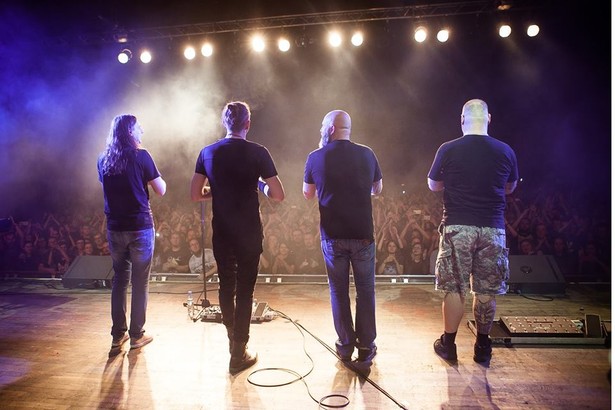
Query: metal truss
x=416 y=12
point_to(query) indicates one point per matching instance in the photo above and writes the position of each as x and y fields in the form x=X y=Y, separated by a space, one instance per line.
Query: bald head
x=340 y=119
x=475 y=117
x=335 y=126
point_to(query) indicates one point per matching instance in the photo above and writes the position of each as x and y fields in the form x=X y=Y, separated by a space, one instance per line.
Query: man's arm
x=211 y=271
x=199 y=191
x=510 y=187
x=158 y=185
x=435 y=185
x=274 y=189
x=309 y=190
x=377 y=187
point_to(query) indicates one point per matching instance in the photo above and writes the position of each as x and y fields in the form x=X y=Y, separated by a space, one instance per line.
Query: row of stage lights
x=335 y=39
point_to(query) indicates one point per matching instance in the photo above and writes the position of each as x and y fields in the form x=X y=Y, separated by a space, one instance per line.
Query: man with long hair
x=230 y=172
x=125 y=171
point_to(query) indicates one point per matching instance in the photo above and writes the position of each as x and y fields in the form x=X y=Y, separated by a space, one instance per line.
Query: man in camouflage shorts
x=475 y=172
x=481 y=251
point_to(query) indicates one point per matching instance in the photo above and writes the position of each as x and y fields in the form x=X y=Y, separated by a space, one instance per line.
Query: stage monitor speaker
x=535 y=274
x=88 y=272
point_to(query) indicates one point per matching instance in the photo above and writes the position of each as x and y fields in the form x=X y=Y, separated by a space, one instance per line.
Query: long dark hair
x=120 y=142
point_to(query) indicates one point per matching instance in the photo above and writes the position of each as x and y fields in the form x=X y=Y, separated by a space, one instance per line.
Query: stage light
x=357 y=39
x=145 y=56
x=502 y=5
x=443 y=35
x=505 y=30
x=207 y=50
x=189 y=53
x=335 y=39
x=303 y=40
x=420 y=34
x=258 y=43
x=533 y=30
x=124 y=56
x=283 y=45
x=121 y=38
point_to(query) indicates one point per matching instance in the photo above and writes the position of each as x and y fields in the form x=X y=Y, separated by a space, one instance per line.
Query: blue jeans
x=132 y=253
x=339 y=255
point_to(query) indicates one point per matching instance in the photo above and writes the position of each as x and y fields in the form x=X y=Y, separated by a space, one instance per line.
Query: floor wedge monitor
x=89 y=272
x=535 y=274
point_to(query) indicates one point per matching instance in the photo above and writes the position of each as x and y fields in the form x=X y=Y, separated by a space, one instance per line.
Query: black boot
x=241 y=358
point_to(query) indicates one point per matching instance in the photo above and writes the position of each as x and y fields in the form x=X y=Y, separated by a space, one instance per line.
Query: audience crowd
x=406 y=224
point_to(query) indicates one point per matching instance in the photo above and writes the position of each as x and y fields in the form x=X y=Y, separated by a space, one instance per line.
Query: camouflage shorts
x=472 y=257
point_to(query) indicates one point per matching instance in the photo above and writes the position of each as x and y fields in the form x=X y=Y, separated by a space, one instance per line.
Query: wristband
x=261 y=186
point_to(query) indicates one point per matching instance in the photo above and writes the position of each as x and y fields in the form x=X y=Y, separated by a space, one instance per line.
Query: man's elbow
x=435 y=185
x=377 y=187
x=159 y=186
x=309 y=194
x=277 y=196
x=510 y=187
x=309 y=190
x=198 y=195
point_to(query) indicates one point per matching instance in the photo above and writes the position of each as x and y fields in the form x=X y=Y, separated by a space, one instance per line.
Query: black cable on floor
x=301 y=378
x=537 y=298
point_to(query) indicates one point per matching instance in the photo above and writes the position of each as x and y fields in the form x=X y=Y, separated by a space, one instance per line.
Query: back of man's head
x=475 y=117
x=475 y=109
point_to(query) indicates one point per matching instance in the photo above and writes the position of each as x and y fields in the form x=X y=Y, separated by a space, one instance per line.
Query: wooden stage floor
x=54 y=354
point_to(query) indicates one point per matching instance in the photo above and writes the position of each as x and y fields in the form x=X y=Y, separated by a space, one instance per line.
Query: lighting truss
x=419 y=11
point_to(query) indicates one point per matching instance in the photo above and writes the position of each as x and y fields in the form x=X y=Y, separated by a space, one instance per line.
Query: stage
x=55 y=353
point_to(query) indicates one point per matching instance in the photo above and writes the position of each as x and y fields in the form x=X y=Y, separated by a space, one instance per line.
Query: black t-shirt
x=309 y=261
x=233 y=166
x=475 y=170
x=416 y=268
x=174 y=258
x=344 y=173
x=127 y=196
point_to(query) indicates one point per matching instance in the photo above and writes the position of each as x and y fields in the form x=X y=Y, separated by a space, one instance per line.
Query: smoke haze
x=546 y=99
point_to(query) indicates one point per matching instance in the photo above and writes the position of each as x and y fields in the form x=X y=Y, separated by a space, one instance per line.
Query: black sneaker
x=241 y=359
x=366 y=356
x=448 y=353
x=343 y=357
x=482 y=354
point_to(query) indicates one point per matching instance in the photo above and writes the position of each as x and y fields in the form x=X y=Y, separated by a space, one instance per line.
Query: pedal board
x=541 y=326
x=260 y=313
x=547 y=330
x=212 y=313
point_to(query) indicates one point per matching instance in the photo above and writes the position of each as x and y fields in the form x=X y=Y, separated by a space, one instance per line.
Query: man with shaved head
x=475 y=172
x=344 y=175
